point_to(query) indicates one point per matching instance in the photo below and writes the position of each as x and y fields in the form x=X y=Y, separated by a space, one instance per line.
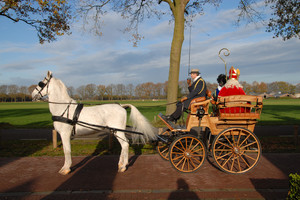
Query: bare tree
x=120 y=90
x=109 y=91
x=211 y=86
x=13 y=91
x=297 y=89
x=254 y=86
x=71 y=91
x=246 y=87
x=90 y=91
x=81 y=92
x=139 y=91
x=159 y=90
x=101 y=91
x=3 y=89
x=23 y=92
x=31 y=88
x=285 y=87
x=3 y=92
x=130 y=91
x=262 y=88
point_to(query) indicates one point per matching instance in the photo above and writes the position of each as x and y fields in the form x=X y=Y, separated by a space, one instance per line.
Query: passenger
x=221 y=81
x=232 y=87
x=197 y=88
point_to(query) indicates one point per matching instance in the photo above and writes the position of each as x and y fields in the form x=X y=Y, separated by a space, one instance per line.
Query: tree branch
x=171 y=4
x=9 y=17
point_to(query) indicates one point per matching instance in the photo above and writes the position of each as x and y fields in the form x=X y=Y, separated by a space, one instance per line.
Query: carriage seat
x=200 y=99
x=240 y=107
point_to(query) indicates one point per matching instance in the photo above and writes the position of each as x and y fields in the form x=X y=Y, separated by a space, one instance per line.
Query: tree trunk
x=178 y=37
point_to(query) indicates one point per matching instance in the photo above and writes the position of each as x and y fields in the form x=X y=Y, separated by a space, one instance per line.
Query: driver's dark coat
x=197 y=89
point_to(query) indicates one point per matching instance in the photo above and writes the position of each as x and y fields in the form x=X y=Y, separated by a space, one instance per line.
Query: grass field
x=37 y=115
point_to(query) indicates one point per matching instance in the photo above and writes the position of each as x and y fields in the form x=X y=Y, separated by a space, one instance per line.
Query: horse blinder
x=42 y=84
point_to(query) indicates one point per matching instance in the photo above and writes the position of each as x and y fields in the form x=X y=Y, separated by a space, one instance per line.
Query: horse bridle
x=42 y=85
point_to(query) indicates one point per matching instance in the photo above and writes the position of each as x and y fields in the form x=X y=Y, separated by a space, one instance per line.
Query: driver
x=197 y=88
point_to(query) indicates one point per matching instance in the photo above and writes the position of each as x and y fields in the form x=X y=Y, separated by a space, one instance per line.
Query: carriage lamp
x=200 y=112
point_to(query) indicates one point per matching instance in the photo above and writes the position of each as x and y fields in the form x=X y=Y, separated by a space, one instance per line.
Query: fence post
x=54 y=138
x=296 y=135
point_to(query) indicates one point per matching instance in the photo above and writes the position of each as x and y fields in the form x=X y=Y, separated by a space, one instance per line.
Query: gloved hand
x=183 y=99
x=189 y=81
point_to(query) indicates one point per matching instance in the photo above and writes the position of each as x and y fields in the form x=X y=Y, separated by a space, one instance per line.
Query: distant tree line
x=149 y=90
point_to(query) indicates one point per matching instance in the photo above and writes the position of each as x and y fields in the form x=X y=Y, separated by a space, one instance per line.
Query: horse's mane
x=62 y=88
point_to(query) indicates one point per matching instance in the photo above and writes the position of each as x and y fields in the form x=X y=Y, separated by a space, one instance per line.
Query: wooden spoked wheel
x=163 y=148
x=236 y=150
x=187 y=153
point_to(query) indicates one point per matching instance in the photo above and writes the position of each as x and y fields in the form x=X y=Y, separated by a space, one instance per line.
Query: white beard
x=233 y=82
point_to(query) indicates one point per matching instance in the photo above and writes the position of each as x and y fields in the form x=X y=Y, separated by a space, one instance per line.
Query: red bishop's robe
x=232 y=87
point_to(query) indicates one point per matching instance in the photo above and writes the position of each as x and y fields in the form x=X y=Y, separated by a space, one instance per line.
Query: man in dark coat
x=197 y=88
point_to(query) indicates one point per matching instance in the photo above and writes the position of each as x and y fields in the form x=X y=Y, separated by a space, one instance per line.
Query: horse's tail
x=142 y=125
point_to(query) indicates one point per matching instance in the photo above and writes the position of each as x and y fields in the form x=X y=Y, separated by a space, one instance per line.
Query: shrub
x=294 y=191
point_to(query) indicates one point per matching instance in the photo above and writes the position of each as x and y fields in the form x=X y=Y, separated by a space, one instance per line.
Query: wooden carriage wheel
x=187 y=153
x=236 y=150
x=163 y=148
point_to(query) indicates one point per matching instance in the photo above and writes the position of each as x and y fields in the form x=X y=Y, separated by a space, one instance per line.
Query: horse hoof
x=122 y=169
x=64 y=171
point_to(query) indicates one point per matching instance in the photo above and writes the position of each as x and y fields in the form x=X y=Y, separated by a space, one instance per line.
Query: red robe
x=231 y=91
x=232 y=87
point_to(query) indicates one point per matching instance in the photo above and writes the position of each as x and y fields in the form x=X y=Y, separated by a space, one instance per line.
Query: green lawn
x=280 y=112
x=37 y=115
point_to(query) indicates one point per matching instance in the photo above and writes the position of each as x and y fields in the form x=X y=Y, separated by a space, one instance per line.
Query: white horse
x=110 y=115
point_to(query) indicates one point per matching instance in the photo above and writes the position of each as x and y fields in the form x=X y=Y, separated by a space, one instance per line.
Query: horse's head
x=41 y=89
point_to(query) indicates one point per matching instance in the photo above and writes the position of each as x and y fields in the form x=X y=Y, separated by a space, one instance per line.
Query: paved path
x=148 y=177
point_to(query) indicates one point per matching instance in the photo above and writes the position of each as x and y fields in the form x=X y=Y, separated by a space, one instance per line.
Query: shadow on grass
x=280 y=115
x=22 y=148
x=23 y=112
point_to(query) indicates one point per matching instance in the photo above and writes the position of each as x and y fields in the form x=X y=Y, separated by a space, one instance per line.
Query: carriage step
x=170 y=124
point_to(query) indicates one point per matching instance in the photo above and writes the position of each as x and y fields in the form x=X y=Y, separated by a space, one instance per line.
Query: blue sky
x=83 y=58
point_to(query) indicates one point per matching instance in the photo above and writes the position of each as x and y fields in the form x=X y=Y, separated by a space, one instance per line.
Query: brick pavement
x=148 y=177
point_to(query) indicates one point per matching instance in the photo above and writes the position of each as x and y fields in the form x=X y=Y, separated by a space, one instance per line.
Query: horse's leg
x=66 y=141
x=124 y=151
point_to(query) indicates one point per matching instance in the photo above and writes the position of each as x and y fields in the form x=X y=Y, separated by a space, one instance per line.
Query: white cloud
x=82 y=58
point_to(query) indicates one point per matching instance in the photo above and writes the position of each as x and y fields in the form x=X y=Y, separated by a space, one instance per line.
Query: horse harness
x=75 y=121
x=66 y=120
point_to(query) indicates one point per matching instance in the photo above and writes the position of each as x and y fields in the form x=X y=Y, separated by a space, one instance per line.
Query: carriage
x=224 y=137
x=227 y=137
